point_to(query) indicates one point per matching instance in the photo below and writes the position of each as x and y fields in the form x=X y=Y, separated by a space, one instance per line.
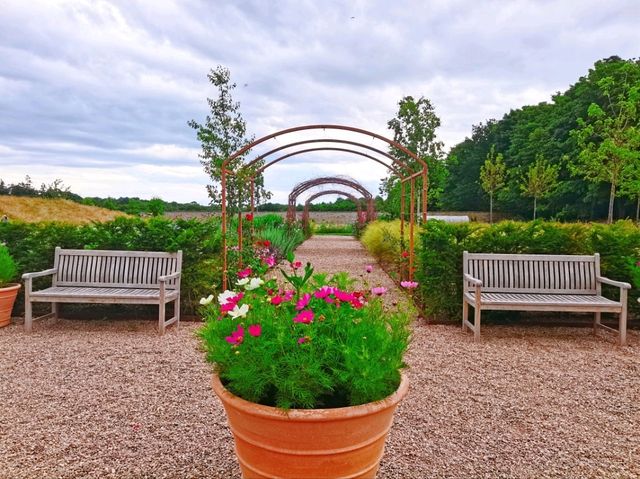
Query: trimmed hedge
x=441 y=245
x=32 y=246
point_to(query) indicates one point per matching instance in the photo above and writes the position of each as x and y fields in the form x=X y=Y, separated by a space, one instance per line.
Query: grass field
x=32 y=210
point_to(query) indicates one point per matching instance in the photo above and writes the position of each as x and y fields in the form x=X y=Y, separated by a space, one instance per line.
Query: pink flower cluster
x=237 y=336
x=231 y=303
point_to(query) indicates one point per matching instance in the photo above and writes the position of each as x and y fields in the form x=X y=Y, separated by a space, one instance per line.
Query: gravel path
x=93 y=398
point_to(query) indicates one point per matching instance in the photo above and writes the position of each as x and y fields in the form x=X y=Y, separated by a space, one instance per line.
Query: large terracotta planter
x=343 y=442
x=7 y=298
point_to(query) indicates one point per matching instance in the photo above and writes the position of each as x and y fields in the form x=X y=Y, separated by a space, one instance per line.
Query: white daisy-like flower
x=239 y=311
x=224 y=297
x=242 y=282
x=254 y=283
x=207 y=300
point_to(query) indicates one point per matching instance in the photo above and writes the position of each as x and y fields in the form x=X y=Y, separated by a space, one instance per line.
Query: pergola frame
x=300 y=188
x=397 y=166
x=307 y=203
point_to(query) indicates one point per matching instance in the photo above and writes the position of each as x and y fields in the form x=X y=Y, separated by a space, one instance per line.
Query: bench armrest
x=168 y=277
x=472 y=280
x=618 y=284
x=46 y=272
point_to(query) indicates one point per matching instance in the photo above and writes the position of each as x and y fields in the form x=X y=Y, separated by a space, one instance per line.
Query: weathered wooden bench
x=531 y=282
x=97 y=276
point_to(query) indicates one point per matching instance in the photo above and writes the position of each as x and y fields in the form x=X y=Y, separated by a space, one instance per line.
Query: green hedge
x=441 y=246
x=32 y=246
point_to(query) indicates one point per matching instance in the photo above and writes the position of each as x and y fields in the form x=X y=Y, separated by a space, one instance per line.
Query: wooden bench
x=531 y=282
x=121 y=277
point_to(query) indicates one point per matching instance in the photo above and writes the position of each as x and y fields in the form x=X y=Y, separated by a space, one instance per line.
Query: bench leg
x=28 y=316
x=622 y=326
x=55 y=310
x=465 y=314
x=176 y=311
x=161 y=317
x=476 y=323
x=596 y=322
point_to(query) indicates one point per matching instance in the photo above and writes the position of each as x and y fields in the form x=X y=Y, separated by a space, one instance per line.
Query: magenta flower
x=245 y=273
x=409 y=284
x=323 y=292
x=303 y=340
x=270 y=261
x=276 y=300
x=296 y=264
x=236 y=337
x=343 y=296
x=303 y=302
x=369 y=268
x=378 y=291
x=356 y=303
x=304 y=317
x=225 y=308
x=255 y=330
x=288 y=295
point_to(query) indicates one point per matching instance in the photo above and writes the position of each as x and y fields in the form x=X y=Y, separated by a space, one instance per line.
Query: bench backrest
x=125 y=269
x=522 y=273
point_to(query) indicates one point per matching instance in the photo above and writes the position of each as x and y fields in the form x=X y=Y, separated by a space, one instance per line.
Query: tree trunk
x=535 y=206
x=491 y=208
x=612 y=197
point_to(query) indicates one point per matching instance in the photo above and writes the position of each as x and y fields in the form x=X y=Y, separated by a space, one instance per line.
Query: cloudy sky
x=99 y=93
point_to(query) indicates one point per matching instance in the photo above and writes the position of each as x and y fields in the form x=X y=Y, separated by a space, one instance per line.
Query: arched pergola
x=406 y=172
x=300 y=188
x=307 y=203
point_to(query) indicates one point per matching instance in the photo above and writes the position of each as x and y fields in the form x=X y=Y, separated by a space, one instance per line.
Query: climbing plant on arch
x=300 y=188
x=405 y=172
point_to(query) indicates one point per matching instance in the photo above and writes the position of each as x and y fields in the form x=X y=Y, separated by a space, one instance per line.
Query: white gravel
x=94 y=398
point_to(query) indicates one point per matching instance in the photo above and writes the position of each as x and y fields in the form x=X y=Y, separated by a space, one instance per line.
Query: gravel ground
x=93 y=398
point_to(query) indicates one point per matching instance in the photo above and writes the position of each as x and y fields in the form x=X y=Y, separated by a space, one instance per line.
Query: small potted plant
x=8 y=290
x=309 y=373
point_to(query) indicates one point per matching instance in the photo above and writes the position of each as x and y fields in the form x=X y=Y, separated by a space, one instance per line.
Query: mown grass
x=34 y=210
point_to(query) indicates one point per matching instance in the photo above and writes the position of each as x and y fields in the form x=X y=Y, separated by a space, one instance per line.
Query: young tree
x=222 y=134
x=539 y=181
x=630 y=186
x=609 y=137
x=414 y=127
x=492 y=176
x=155 y=206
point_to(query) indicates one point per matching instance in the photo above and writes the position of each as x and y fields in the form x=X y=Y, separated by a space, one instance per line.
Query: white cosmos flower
x=224 y=297
x=242 y=282
x=207 y=300
x=239 y=312
x=254 y=284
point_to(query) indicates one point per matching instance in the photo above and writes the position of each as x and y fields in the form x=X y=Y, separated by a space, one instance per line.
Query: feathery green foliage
x=8 y=269
x=323 y=348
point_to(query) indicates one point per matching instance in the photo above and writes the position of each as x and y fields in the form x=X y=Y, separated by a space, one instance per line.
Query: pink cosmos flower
x=378 y=291
x=409 y=284
x=245 y=273
x=276 y=300
x=236 y=337
x=225 y=308
x=369 y=268
x=270 y=261
x=288 y=295
x=255 y=330
x=343 y=296
x=296 y=264
x=302 y=340
x=303 y=302
x=356 y=303
x=323 y=292
x=405 y=254
x=304 y=317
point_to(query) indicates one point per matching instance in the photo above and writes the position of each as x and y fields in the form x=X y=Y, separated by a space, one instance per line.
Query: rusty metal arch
x=307 y=204
x=410 y=177
x=329 y=180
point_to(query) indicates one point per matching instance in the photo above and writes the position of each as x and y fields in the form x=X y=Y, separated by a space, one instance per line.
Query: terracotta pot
x=343 y=442
x=7 y=298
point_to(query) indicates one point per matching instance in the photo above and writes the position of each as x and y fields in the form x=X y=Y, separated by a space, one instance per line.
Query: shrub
x=382 y=239
x=284 y=239
x=440 y=254
x=331 y=229
x=8 y=269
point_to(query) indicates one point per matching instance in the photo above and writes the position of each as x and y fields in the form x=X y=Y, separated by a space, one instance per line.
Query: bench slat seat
x=73 y=293
x=516 y=300
x=531 y=282
x=109 y=276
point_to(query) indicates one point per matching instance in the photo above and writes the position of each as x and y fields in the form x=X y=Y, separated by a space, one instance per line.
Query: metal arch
x=326 y=148
x=329 y=180
x=332 y=140
x=307 y=203
x=423 y=173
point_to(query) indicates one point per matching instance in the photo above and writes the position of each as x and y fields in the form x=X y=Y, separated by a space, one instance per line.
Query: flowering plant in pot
x=8 y=290
x=309 y=372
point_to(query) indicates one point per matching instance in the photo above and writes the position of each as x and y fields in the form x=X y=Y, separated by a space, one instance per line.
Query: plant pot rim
x=310 y=415
x=9 y=286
